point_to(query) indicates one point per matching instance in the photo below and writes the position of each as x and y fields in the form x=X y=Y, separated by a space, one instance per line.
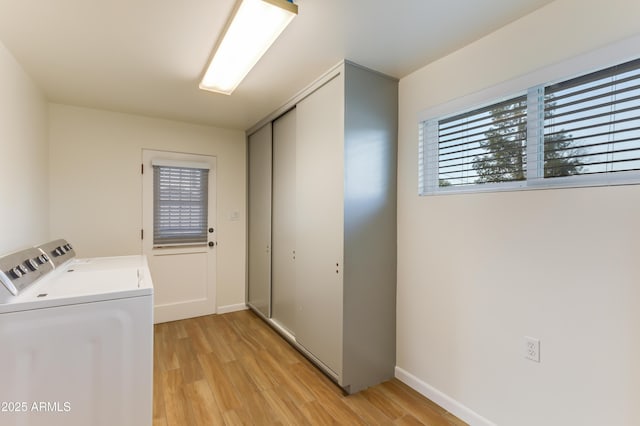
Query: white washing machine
x=76 y=339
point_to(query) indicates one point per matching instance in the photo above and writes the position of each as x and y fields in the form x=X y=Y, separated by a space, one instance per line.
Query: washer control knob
x=68 y=247
x=32 y=264
x=23 y=269
x=45 y=258
x=58 y=251
x=16 y=273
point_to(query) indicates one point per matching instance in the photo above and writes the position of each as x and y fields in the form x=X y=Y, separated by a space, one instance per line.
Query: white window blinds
x=592 y=123
x=485 y=145
x=180 y=204
x=582 y=131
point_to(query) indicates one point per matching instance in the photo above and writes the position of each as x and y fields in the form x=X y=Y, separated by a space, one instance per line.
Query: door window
x=180 y=201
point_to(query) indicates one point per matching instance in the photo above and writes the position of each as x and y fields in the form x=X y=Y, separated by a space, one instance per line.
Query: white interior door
x=181 y=255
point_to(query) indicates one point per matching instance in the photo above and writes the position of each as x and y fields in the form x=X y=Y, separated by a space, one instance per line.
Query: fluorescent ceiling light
x=255 y=25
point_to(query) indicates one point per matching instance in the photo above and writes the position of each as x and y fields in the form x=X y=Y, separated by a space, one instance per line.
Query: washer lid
x=86 y=281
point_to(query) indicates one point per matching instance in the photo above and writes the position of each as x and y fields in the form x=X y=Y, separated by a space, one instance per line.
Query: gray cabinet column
x=319 y=200
x=283 y=274
x=259 y=273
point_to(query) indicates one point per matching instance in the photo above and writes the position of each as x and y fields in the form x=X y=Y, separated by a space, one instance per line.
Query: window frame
x=533 y=84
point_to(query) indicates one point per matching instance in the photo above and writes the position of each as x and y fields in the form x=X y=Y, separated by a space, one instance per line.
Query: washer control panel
x=58 y=251
x=20 y=269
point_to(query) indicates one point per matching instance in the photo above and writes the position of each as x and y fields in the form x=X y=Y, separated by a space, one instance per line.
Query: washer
x=76 y=339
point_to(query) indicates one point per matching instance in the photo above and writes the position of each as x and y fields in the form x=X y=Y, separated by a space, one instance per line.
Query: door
x=259 y=274
x=179 y=232
x=283 y=272
x=320 y=222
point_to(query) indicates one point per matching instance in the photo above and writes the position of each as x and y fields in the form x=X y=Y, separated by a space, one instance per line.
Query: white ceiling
x=147 y=56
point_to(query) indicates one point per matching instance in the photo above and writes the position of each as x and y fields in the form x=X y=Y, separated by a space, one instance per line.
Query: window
x=583 y=131
x=592 y=123
x=180 y=203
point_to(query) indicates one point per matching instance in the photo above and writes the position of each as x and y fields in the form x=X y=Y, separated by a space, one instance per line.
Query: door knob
x=211 y=230
x=211 y=244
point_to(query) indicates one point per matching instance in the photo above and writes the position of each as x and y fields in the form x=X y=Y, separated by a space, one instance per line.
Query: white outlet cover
x=532 y=348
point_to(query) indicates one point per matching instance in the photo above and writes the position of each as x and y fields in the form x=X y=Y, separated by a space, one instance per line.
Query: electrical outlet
x=532 y=348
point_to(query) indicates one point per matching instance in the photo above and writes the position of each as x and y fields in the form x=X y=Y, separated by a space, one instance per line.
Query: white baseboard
x=443 y=400
x=231 y=308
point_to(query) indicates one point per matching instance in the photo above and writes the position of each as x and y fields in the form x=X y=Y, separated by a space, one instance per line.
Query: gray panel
x=319 y=210
x=283 y=273
x=259 y=218
x=371 y=129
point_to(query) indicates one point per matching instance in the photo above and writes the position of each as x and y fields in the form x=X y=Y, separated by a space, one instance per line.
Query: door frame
x=192 y=307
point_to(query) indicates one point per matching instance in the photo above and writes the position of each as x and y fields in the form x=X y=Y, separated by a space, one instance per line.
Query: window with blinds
x=484 y=145
x=592 y=123
x=583 y=131
x=180 y=205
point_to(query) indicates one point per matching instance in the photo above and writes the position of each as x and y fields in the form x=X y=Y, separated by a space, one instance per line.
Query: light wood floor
x=233 y=369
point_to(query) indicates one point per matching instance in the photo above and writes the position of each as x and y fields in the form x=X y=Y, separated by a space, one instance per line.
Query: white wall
x=478 y=272
x=96 y=184
x=24 y=191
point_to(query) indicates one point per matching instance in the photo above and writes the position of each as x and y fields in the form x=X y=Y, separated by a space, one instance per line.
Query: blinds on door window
x=180 y=203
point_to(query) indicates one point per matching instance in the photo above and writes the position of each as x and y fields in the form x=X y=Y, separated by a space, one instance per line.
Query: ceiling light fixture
x=254 y=26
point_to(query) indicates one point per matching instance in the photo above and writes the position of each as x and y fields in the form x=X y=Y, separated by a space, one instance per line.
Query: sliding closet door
x=283 y=273
x=320 y=222
x=259 y=274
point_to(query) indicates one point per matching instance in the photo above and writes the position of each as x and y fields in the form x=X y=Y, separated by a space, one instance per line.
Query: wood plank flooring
x=233 y=369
